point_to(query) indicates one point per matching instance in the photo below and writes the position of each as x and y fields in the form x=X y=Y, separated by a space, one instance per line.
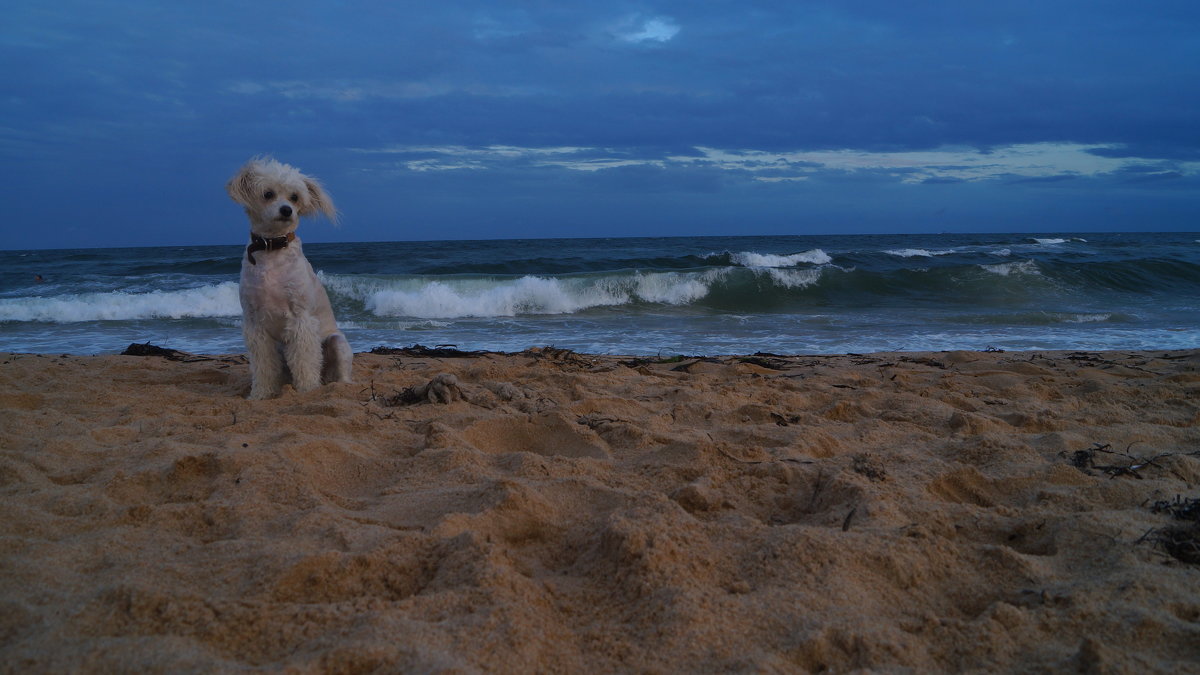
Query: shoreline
x=553 y=511
x=417 y=350
x=725 y=295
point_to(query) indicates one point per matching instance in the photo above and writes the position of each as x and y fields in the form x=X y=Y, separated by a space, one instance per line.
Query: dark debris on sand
x=1180 y=541
x=147 y=349
x=1180 y=508
x=421 y=351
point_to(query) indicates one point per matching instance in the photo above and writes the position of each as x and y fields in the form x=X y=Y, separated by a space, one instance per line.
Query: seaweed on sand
x=439 y=351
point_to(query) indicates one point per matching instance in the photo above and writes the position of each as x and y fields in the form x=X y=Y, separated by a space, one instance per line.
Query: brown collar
x=258 y=243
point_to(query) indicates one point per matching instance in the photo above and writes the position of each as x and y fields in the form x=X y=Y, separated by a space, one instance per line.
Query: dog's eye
x=295 y=198
x=269 y=194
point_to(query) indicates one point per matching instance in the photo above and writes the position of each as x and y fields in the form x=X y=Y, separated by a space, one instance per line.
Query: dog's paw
x=261 y=394
x=303 y=387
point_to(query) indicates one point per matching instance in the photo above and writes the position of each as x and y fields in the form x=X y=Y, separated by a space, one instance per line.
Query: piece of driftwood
x=147 y=349
x=768 y=362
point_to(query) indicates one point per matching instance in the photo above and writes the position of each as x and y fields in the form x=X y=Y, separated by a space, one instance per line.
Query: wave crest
x=489 y=297
x=1027 y=267
x=752 y=259
x=205 y=301
x=917 y=252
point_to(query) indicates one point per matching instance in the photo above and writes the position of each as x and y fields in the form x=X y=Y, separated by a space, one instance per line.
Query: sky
x=120 y=122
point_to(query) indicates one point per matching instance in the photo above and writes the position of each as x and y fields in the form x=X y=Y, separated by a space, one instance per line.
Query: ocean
x=641 y=296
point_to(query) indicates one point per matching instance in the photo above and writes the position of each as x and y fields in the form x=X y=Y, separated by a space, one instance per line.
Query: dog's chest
x=280 y=284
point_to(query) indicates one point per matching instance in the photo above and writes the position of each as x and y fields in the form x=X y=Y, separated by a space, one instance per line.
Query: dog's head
x=276 y=195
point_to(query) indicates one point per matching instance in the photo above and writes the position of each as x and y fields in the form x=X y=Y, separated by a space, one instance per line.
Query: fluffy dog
x=287 y=321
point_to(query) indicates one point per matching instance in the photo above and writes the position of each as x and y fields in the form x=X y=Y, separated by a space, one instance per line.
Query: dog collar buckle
x=258 y=243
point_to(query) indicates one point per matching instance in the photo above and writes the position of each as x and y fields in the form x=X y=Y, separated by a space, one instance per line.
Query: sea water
x=647 y=296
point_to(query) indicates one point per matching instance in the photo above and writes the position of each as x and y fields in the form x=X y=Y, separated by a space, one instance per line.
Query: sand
x=556 y=512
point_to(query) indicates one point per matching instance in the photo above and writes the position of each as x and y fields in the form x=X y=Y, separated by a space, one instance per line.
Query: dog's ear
x=241 y=187
x=320 y=200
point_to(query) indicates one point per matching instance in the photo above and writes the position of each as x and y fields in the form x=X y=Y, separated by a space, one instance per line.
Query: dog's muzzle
x=258 y=243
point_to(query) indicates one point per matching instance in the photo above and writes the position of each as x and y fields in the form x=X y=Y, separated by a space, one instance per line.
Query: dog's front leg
x=338 y=360
x=303 y=351
x=266 y=363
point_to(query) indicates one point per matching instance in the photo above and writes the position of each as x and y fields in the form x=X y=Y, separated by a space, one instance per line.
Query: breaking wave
x=917 y=253
x=219 y=300
x=752 y=259
x=1027 y=267
x=447 y=298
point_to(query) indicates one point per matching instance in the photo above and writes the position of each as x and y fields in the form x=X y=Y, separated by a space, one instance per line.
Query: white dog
x=287 y=321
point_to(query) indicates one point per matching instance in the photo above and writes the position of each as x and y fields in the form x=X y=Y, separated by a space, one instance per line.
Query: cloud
x=450 y=158
x=344 y=91
x=1026 y=163
x=1044 y=180
x=639 y=30
x=1038 y=161
x=1155 y=150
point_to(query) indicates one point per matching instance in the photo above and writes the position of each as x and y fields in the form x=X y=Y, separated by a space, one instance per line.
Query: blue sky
x=121 y=122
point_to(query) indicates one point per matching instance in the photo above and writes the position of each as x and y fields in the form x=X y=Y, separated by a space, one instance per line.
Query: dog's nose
x=285 y=211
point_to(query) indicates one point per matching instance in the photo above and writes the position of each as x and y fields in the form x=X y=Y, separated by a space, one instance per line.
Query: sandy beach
x=556 y=512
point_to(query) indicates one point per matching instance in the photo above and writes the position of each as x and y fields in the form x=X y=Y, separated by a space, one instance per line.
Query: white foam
x=390 y=325
x=460 y=298
x=795 y=278
x=673 y=288
x=916 y=253
x=205 y=301
x=1010 y=268
x=1083 y=318
x=1056 y=240
x=751 y=259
